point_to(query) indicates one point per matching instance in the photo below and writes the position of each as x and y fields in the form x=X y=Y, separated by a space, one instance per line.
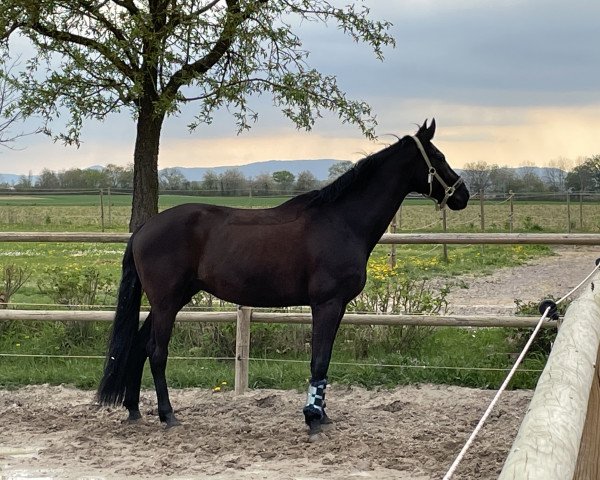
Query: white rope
x=578 y=286
x=462 y=453
x=467 y=445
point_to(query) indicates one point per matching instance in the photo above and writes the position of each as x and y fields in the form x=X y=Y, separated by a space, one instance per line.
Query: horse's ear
x=425 y=132
x=431 y=129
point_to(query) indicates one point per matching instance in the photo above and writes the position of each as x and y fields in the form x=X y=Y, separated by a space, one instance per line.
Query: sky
x=509 y=82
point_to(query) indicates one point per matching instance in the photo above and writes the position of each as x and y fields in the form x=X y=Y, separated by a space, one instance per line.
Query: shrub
x=77 y=288
x=392 y=290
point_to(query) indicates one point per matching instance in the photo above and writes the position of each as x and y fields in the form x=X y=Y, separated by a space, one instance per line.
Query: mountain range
x=319 y=168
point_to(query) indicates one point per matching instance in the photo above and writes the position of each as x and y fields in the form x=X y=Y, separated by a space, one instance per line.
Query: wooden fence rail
x=257 y=316
x=386 y=239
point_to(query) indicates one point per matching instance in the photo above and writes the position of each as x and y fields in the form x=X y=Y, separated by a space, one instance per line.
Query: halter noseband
x=449 y=191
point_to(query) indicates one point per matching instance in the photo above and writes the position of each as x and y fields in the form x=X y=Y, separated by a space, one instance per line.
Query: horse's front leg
x=326 y=321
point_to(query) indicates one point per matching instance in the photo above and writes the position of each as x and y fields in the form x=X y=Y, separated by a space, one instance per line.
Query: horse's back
x=241 y=255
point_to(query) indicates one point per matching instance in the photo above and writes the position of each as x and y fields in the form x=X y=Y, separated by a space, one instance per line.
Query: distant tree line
x=491 y=178
x=232 y=182
x=557 y=177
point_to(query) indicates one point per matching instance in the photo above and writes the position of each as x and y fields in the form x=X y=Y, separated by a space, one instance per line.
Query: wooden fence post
x=393 y=229
x=581 y=210
x=109 y=207
x=511 y=215
x=102 y=209
x=568 y=211
x=242 y=349
x=482 y=210
x=445 y=227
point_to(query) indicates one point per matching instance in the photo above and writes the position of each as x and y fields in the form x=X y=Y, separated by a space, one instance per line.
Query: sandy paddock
x=412 y=432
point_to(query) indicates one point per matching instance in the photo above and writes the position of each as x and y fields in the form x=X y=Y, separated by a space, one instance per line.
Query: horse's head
x=433 y=176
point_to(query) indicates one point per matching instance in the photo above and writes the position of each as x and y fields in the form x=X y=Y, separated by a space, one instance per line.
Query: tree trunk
x=145 y=165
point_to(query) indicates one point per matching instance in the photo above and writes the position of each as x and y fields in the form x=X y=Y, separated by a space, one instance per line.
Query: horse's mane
x=353 y=178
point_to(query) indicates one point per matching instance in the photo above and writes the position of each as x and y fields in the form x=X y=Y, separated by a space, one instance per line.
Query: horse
x=311 y=250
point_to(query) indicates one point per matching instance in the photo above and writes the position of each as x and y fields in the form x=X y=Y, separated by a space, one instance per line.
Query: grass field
x=84 y=212
x=450 y=353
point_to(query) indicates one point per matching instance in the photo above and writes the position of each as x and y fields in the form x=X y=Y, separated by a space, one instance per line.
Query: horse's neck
x=370 y=209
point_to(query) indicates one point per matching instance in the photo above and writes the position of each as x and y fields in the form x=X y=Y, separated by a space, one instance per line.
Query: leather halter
x=449 y=190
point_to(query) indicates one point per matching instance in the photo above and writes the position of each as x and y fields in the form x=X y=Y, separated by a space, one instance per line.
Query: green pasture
x=86 y=213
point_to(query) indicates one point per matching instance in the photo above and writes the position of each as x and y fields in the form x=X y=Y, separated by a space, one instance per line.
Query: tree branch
x=234 y=18
x=127 y=5
x=176 y=20
x=94 y=12
x=69 y=37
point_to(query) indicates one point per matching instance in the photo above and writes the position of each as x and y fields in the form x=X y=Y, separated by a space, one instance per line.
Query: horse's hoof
x=169 y=420
x=134 y=417
x=314 y=429
x=132 y=421
x=314 y=437
x=173 y=422
x=325 y=420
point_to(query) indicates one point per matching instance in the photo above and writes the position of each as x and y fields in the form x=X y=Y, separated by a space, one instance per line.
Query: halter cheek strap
x=449 y=190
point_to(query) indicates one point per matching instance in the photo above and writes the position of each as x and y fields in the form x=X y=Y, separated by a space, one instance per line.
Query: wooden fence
x=386 y=239
x=245 y=316
x=558 y=439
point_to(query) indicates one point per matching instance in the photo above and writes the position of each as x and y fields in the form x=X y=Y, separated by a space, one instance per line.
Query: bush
x=391 y=290
x=77 y=288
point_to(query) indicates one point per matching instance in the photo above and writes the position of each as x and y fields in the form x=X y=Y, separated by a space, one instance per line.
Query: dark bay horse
x=311 y=250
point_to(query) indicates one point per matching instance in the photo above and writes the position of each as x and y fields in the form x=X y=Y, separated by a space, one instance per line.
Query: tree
x=586 y=176
x=210 y=182
x=306 y=181
x=97 y=57
x=25 y=182
x=532 y=183
x=477 y=175
x=263 y=184
x=503 y=179
x=119 y=177
x=556 y=174
x=48 y=179
x=9 y=116
x=172 y=179
x=232 y=182
x=284 y=180
x=339 y=168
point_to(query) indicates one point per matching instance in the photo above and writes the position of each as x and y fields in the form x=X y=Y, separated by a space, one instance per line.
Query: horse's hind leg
x=158 y=350
x=135 y=368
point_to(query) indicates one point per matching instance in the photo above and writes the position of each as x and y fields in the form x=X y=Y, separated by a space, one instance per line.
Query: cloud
x=509 y=82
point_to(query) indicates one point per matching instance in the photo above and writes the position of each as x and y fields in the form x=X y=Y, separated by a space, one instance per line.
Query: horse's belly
x=265 y=287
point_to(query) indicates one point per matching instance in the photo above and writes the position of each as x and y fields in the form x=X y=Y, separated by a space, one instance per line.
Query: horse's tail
x=125 y=326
